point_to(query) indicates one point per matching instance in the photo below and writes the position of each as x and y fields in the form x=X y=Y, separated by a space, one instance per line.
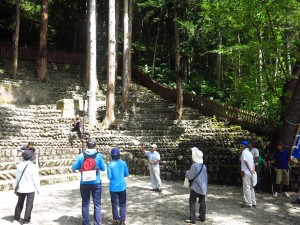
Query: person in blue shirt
x=281 y=158
x=117 y=170
x=197 y=173
x=90 y=186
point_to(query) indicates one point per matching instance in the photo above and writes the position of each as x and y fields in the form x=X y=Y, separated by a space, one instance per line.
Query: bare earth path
x=60 y=204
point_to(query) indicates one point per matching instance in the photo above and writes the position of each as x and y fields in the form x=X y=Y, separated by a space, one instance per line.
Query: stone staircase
x=151 y=119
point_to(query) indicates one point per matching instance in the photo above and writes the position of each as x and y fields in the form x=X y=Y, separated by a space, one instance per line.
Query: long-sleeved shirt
x=99 y=164
x=117 y=170
x=201 y=181
x=30 y=181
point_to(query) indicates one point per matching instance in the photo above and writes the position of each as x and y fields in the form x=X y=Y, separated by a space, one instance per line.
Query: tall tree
x=292 y=120
x=127 y=52
x=16 y=40
x=177 y=67
x=111 y=74
x=92 y=63
x=42 y=65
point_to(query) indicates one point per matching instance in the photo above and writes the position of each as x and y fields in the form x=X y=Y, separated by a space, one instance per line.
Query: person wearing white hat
x=197 y=176
x=154 y=158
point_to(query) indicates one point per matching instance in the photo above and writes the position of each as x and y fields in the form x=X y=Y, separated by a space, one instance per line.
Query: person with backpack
x=90 y=163
x=197 y=176
x=27 y=182
x=117 y=170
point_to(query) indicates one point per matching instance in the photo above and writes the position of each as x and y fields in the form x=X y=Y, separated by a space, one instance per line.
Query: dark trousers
x=20 y=204
x=85 y=191
x=118 y=204
x=202 y=208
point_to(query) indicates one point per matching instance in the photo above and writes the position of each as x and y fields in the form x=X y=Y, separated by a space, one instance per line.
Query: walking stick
x=271 y=178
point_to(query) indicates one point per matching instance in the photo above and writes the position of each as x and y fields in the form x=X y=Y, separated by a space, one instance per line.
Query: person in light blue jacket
x=117 y=170
x=197 y=173
x=90 y=184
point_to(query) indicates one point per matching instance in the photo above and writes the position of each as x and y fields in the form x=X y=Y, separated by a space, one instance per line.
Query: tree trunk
x=16 y=41
x=127 y=52
x=42 y=66
x=111 y=76
x=92 y=64
x=292 y=119
x=177 y=68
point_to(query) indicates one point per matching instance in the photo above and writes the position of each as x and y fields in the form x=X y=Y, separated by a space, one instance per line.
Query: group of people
x=27 y=179
x=250 y=171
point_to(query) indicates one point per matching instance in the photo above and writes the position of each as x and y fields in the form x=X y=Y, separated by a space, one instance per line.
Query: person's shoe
x=16 y=222
x=246 y=206
x=122 y=223
x=116 y=222
x=297 y=201
x=275 y=195
x=200 y=219
x=286 y=194
x=154 y=189
x=254 y=206
x=159 y=190
x=190 y=222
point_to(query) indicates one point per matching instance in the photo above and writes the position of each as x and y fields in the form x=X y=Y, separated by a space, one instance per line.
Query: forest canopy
x=239 y=52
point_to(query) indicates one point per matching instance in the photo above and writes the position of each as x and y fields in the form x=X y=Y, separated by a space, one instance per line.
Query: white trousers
x=155 y=176
x=248 y=190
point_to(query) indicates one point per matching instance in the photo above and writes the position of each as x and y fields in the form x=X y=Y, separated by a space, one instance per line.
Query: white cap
x=153 y=146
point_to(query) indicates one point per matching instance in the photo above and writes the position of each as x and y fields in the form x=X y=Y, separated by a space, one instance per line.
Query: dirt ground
x=60 y=204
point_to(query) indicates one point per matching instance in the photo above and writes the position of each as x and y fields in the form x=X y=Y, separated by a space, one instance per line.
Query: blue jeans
x=118 y=200
x=85 y=191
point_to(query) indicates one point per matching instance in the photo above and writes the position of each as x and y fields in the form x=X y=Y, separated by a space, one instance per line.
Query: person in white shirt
x=27 y=182
x=247 y=171
x=255 y=154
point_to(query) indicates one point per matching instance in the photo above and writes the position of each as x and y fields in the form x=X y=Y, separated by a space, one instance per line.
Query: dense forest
x=241 y=53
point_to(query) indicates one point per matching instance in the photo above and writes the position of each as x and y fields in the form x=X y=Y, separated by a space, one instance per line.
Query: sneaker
x=190 y=222
x=159 y=190
x=275 y=195
x=122 y=223
x=116 y=222
x=16 y=222
x=286 y=194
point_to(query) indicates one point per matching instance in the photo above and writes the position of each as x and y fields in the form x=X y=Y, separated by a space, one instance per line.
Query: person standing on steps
x=90 y=182
x=117 y=170
x=197 y=173
x=27 y=182
x=247 y=172
x=281 y=159
x=154 y=158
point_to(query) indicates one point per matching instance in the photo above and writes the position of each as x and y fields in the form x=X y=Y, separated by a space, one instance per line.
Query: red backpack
x=89 y=162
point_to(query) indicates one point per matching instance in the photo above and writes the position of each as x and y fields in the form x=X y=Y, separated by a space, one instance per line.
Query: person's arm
x=256 y=160
x=77 y=164
x=109 y=173
x=143 y=150
x=101 y=163
x=248 y=166
x=126 y=172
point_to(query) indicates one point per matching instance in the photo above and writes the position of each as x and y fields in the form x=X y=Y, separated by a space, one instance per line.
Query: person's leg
x=122 y=203
x=156 y=173
x=192 y=204
x=19 y=206
x=29 y=207
x=278 y=180
x=96 y=193
x=286 y=182
x=152 y=178
x=246 y=189
x=202 y=208
x=85 y=196
x=114 y=205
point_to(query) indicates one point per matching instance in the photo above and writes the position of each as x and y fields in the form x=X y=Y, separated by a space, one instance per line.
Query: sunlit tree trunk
x=127 y=52
x=88 y=55
x=16 y=40
x=219 y=62
x=177 y=68
x=42 y=65
x=111 y=76
x=92 y=64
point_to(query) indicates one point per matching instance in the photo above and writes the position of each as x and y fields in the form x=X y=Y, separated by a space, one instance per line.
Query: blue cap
x=115 y=153
x=245 y=143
